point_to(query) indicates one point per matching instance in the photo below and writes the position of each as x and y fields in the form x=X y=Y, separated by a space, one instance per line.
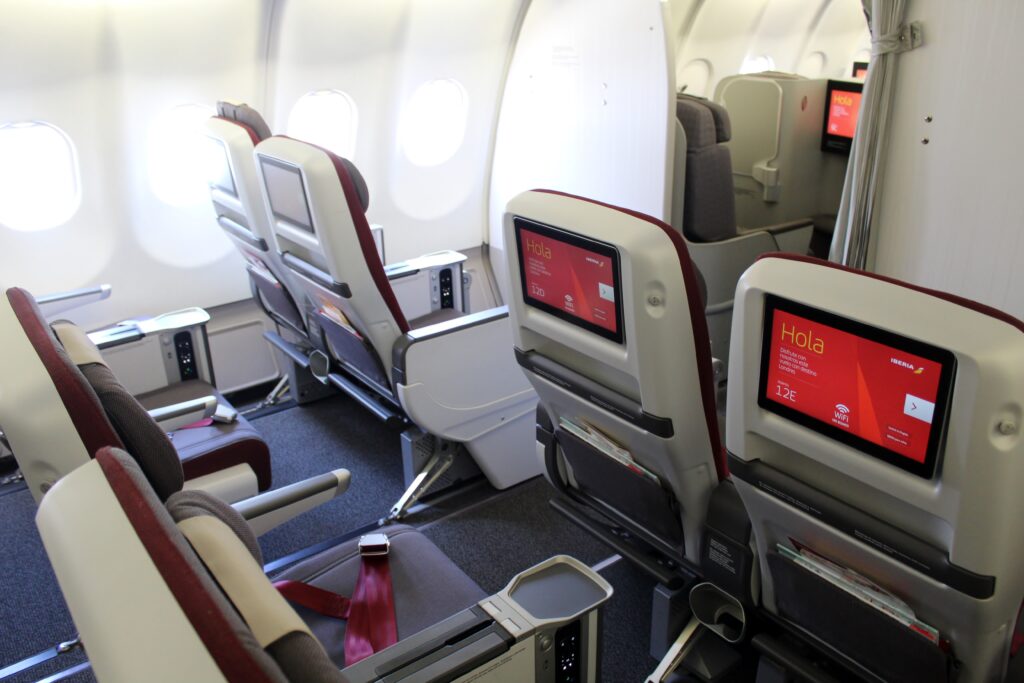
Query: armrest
x=792 y=236
x=401 y=347
x=270 y=509
x=58 y=302
x=459 y=379
x=128 y=331
x=178 y=415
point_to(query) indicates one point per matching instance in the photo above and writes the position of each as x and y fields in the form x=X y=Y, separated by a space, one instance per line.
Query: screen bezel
x=307 y=227
x=943 y=396
x=573 y=239
x=837 y=143
x=222 y=149
x=857 y=66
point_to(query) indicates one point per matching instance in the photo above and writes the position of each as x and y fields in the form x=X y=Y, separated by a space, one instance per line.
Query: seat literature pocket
x=888 y=646
x=634 y=495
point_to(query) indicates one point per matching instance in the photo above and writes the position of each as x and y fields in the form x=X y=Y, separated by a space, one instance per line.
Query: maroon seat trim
x=248 y=129
x=252 y=452
x=945 y=296
x=698 y=323
x=366 y=243
x=80 y=401
x=191 y=595
x=364 y=236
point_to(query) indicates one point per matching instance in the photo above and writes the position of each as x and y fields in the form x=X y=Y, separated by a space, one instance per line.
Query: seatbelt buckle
x=373 y=545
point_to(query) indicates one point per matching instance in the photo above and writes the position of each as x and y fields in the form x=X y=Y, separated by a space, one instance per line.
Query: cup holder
x=718 y=611
x=319 y=366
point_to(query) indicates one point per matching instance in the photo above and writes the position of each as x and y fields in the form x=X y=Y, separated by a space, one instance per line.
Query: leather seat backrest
x=877 y=424
x=238 y=203
x=76 y=386
x=317 y=205
x=124 y=559
x=708 y=206
x=608 y=322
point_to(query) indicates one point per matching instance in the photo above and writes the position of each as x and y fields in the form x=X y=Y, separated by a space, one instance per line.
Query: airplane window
x=39 y=180
x=433 y=123
x=327 y=118
x=695 y=77
x=179 y=155
x=755 y=65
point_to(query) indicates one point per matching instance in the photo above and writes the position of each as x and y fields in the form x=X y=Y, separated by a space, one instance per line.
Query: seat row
x=858 y=517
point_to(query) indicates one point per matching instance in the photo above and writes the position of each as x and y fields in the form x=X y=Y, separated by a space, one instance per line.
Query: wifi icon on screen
x=841 y=407
x=842 y=414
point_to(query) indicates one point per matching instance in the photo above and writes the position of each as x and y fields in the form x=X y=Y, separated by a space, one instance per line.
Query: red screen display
x=861 y=72
x=873 y=391
x=575 y=281
x=842 y=113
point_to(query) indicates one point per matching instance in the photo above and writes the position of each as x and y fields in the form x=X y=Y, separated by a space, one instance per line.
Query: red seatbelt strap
x=371 y=609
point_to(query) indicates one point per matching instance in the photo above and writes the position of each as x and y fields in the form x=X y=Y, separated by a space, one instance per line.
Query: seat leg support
x=688 y=637
x=431 y=472
x=273 y=398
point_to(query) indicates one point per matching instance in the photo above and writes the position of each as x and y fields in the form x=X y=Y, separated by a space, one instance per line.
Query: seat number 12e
x=785 y=392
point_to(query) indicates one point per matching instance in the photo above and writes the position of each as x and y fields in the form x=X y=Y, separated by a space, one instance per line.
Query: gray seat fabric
x=247 y=116
x=187 y=504
x=203 y=450
x=145 y=497
x=428 y=587
x=198 y=451
x=156 y=456
x=709 y=212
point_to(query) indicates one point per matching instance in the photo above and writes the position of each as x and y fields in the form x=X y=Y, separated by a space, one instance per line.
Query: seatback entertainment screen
x=571 y=277
x=879 y=392
x=219 y=167
x=860 y=70
x=842 y=108
x=287 y=193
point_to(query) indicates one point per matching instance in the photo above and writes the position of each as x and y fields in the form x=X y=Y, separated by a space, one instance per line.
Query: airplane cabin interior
x=563 y=341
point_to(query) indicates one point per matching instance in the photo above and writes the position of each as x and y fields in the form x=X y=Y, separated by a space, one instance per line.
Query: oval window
x=179 y=155
x=755 y=65
x=39 y=180
x=327 y=118
x=433 y=123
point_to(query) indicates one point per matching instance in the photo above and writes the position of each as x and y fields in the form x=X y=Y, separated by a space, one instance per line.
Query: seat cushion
x=428 y=587
x=204 y=450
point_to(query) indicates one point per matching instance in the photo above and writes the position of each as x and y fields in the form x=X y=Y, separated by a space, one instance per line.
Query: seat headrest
x=247 y=116
x=705 y=122
x=357 y=179
x=79 y=399
x=139 y=433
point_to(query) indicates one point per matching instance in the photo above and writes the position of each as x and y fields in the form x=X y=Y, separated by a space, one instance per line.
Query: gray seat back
x=124 y=559
x=316 y=204
x=876 y=423
x=608 y=322
x=709 y=214
x=235 y=132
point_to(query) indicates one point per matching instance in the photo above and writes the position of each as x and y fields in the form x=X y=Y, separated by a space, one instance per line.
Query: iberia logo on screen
x=572 y=279
x=860 y=386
